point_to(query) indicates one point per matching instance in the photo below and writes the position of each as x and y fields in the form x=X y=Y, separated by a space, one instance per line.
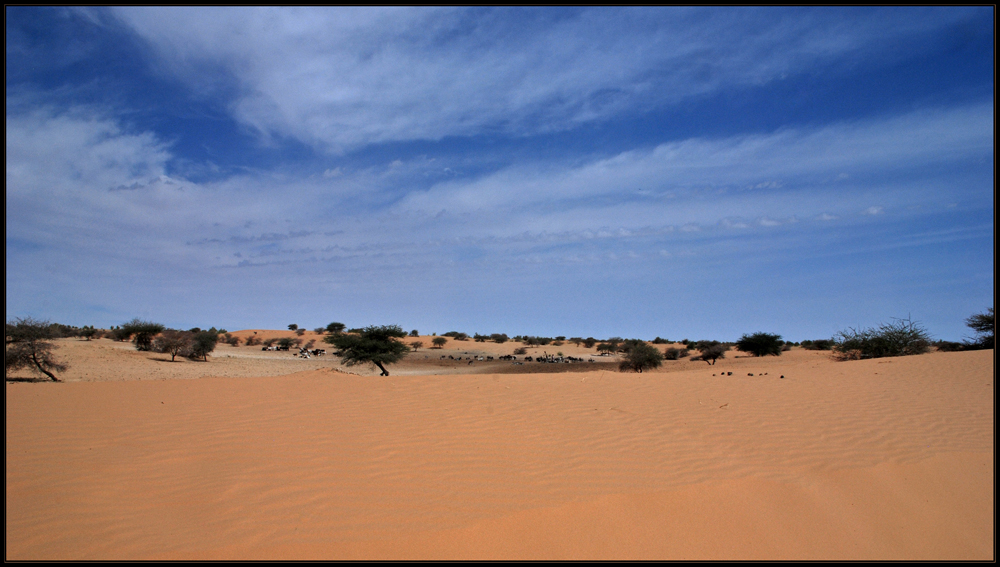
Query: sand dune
x=879 y=459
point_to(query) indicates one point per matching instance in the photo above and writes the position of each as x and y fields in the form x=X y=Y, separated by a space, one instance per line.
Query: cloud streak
x=342 y=78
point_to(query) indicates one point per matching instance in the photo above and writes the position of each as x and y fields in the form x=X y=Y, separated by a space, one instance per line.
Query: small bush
x=822 y=344
x=902 y=337
x=252 y=340
x=672 y=354
x=948 y=346
x=300 y=332
x=521 y=350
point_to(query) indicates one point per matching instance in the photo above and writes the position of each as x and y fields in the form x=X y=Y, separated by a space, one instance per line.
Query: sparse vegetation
x=27 y=346
x=414 y=333
x=415 y=345
x=89 y=333
x=641 y=357
x=300 y=332
x=822 y=344
x=901 y=337
x=521 y=350
x=760 y=344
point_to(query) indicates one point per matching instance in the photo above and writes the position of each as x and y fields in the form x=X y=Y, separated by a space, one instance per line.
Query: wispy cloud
x=340 y=78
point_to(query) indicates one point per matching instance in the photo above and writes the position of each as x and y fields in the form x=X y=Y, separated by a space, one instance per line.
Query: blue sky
x=675 y=172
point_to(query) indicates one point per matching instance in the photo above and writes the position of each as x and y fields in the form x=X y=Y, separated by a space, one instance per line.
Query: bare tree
x=173 y=342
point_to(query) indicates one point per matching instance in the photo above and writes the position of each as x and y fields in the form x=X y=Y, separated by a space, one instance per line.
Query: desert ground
x=264 y=455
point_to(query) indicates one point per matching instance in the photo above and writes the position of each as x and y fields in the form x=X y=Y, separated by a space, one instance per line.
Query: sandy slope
x=888 y=459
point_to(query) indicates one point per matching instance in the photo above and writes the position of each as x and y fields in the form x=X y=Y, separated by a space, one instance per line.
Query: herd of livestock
x=545 y=358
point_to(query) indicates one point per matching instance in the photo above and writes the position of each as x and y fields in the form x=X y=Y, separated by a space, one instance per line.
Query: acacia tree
x=335 y=328
x=439 y=342
x=173 y=342
x=376 y=345
x=201 y=344
x=760 y=344
x=415 y=345
x=985 y=327
x=641 y=356
x=27 y=345
x=142 y=332
x=711 y=353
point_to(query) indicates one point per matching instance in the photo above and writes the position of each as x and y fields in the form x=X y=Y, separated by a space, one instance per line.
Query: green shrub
x=201 y=344
x=902 y=337
x=821 y=344
x=760 y=344
x=641 y=357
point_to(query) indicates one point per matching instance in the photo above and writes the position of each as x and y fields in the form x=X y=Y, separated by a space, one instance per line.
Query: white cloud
x=339 y=78
x=872 y=211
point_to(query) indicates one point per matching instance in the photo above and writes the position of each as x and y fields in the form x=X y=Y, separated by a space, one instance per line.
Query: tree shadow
x=30 y=380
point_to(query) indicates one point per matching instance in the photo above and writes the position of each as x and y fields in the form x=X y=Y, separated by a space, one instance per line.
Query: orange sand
x=880 y=459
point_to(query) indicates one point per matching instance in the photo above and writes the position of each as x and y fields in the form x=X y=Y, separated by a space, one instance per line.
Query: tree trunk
x=42 y=370
x=382 y=368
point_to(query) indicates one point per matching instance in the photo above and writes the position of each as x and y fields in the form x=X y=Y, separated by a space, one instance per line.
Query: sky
x=670 y=172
